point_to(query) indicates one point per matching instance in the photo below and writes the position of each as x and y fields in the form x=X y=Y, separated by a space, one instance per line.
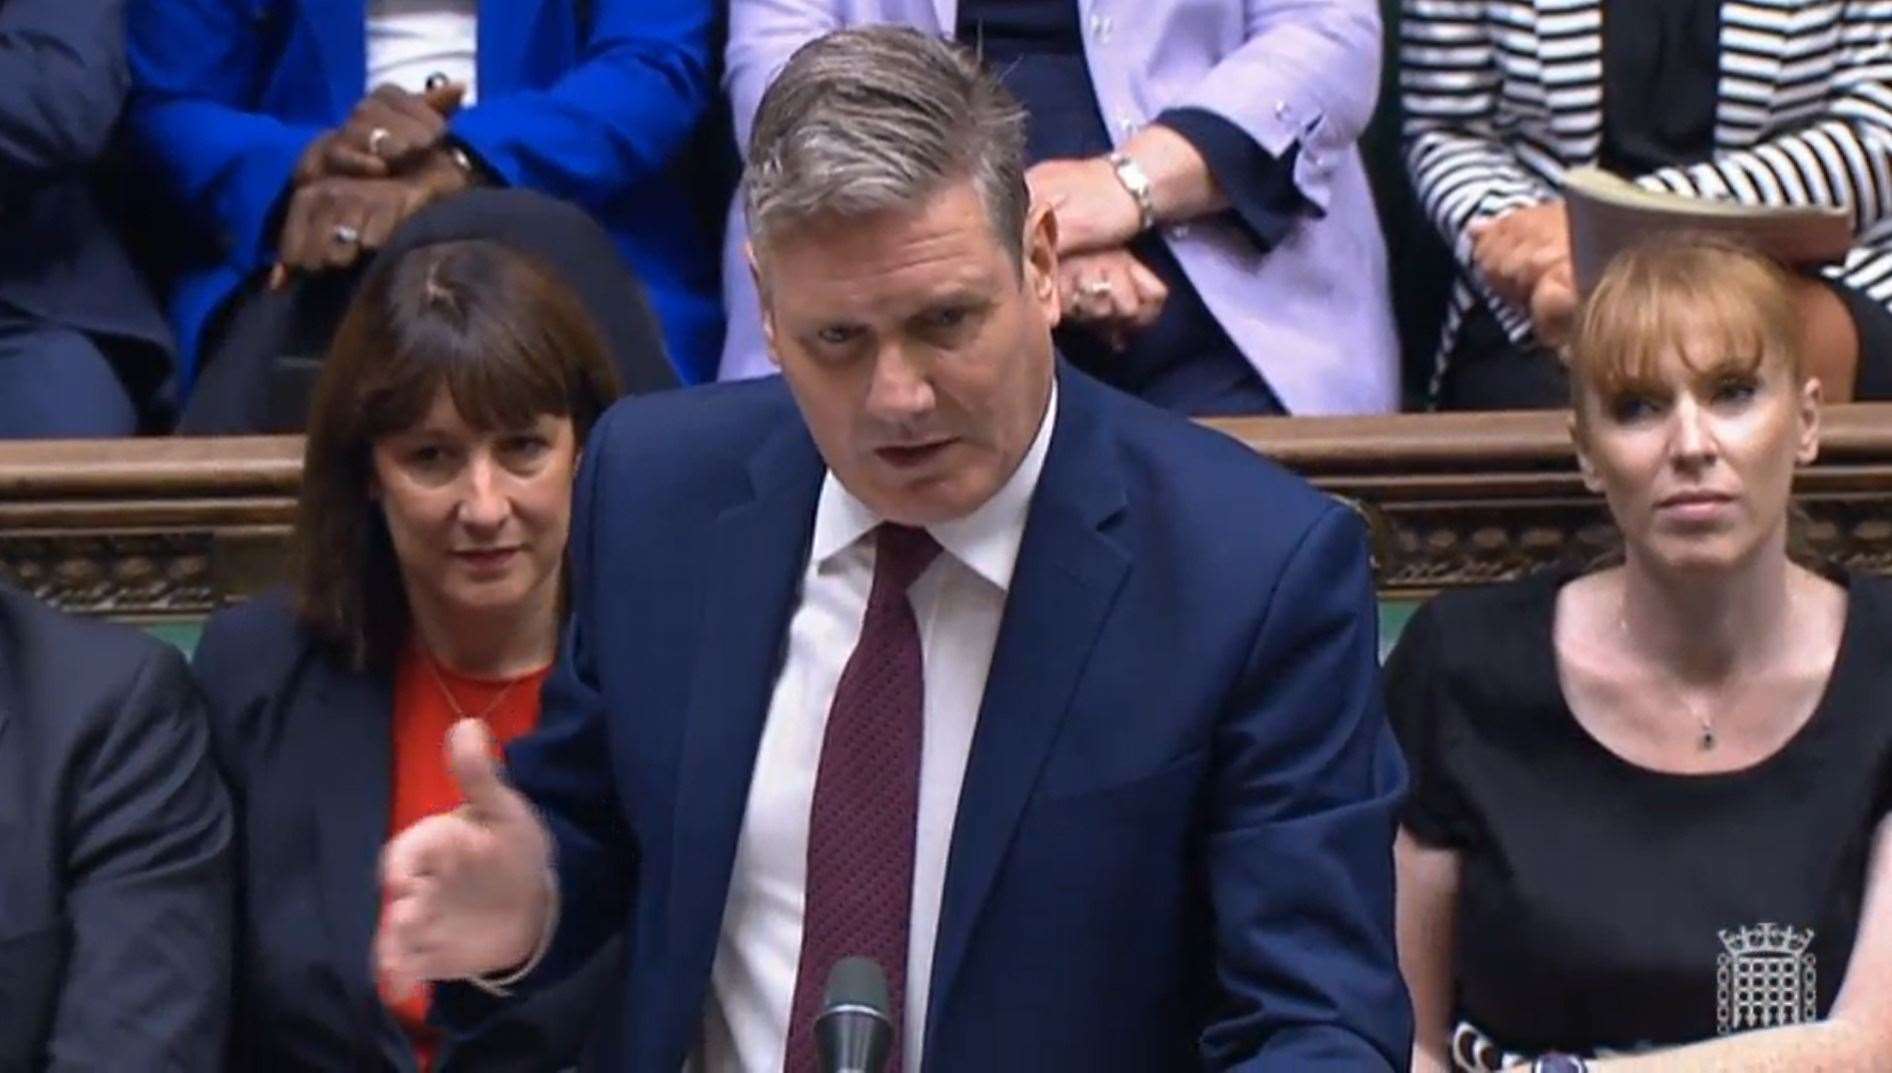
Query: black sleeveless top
x=1605 y=906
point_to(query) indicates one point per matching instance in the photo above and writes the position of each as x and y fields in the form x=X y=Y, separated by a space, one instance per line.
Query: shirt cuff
x=1259 y=185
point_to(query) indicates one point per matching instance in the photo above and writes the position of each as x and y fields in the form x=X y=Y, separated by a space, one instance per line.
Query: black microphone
x=854 y=1031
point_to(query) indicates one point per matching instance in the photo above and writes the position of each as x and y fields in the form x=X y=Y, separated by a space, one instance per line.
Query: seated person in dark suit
x=82 y=343
x=1652 y=803
x=297 y=138
x=114 y=852
x=436 y=498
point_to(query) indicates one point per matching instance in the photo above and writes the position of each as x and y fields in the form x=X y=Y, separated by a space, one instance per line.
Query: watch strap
x=1137 y=182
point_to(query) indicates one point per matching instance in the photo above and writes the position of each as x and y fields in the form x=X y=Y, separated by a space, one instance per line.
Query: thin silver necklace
x=1707 y=738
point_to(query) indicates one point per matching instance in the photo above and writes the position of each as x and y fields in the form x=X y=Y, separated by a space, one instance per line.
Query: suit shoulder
x=1478 y=640
x=1501 y=607
x=681 y=426
x=246 y=655
x=1873 y=594
x=1220 y=489
x=69 y=663
x=666 y=459
x=257 y=625
x=1211 y=458
x=50 y=640
x=262 y=630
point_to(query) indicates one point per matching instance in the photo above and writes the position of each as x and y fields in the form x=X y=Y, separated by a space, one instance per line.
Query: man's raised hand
x=464 y=893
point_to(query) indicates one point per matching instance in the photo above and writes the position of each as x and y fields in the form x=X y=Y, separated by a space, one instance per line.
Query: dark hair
x=503 y=336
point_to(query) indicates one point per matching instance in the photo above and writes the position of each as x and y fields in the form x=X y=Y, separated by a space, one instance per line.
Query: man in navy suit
x=933 y=650
x=115 y=851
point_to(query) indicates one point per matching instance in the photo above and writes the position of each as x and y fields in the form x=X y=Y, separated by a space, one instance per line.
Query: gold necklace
x=433 y=668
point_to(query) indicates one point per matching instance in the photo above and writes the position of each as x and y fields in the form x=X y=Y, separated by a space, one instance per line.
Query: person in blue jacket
x=295 y=137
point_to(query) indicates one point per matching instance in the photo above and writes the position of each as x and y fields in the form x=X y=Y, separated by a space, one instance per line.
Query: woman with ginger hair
x=1649 y=802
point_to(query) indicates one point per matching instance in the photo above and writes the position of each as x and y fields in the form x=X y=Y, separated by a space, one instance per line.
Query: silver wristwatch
x=1137 y=181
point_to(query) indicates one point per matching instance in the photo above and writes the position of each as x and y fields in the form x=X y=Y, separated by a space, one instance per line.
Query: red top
x=422 y=784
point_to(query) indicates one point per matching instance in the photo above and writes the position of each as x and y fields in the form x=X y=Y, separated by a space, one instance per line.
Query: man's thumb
x=470 y=759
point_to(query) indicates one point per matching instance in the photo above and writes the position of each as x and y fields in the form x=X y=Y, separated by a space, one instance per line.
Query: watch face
x=1560 y=1063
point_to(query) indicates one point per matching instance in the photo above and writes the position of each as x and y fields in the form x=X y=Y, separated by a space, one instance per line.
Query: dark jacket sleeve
x=1307 y=787
x=1259 y=185
x=242 y=661
x=62 y=82
x=236 y=685
x=147 y=859
x=1435 y=812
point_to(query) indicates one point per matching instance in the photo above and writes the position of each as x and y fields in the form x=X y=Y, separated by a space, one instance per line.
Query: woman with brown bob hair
x=429 y=584
x=1649 y=801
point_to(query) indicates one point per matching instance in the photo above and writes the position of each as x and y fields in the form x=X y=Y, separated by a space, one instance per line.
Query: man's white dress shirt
x=958 y=603
x=408 y=40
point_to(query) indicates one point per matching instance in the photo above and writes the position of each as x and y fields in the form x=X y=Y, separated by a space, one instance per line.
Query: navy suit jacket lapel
x=1066 y=581
x=757 y=550
x=349 y=766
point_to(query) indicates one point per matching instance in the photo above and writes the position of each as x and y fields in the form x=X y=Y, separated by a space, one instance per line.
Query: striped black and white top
x=1501 y=96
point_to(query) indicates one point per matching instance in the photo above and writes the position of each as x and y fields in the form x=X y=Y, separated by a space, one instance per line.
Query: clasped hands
x=1101 y=284
x=1525 y=256
x=355 y=184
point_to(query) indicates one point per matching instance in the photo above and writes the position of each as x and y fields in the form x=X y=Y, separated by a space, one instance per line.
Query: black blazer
x=62 y=83
x=114 y=852
x=305 y=745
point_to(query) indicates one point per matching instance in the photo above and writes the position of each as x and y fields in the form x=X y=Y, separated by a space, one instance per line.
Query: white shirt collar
x=986 y=540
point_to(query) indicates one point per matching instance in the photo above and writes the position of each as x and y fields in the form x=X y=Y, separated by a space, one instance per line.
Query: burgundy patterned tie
x=860 y=828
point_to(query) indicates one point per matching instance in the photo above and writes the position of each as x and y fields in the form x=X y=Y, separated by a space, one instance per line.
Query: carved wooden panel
x=146 y=529
x=171 y=528
x=118 y=574
x=1465 y=499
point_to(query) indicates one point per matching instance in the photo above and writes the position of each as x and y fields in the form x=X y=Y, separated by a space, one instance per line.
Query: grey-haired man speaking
x=1061 y=709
